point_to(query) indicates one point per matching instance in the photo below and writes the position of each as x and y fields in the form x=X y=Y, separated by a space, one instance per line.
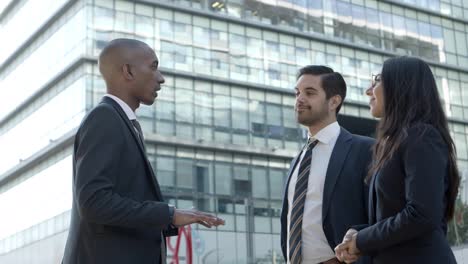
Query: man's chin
x=302 y=121
x=309 y=121
x=149 y=101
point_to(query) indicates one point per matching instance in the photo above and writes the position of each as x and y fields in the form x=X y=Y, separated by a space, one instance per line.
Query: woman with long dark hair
x=413 y=182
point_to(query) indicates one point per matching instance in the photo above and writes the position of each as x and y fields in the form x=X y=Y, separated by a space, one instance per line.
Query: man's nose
x=161 y=78
x=299 y=99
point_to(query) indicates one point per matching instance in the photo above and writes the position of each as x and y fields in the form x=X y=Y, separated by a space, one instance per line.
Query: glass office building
x=222 y=133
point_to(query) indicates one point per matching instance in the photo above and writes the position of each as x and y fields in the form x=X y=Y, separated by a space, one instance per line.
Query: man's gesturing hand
x=184 y=217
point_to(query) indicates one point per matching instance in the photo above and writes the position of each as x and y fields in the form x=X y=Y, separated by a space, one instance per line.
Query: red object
x=187 y=232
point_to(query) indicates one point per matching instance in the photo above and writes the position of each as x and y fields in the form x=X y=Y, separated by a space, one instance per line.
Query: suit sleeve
x=171 y=231
x=424 y=160
x=98 y=145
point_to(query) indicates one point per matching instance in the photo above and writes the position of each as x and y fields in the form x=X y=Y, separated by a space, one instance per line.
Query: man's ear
x=127 y=72
x=334 y=102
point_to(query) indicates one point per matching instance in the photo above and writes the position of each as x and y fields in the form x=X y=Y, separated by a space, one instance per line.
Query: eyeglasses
x=376 y=78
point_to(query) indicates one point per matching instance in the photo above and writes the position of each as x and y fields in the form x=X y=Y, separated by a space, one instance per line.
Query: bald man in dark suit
x=118 y=214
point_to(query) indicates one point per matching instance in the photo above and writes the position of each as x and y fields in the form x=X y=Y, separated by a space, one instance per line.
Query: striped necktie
x=297 y=212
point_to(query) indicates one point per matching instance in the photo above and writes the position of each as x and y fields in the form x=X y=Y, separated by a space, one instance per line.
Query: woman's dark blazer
x=407 y=203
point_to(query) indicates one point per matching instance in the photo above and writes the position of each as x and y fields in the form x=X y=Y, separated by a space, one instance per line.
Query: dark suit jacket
x=345 y=193
x=407 y=204
x=117 y=213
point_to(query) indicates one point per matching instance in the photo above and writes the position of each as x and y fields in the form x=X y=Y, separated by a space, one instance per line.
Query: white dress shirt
x=125 y=107
x=128 y=111
x=315 y=247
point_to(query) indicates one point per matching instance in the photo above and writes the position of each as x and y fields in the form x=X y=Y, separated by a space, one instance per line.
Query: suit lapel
x=284 y=211
x=137 y=141
x=291 y=170
x=372 y=200
x=335 y=165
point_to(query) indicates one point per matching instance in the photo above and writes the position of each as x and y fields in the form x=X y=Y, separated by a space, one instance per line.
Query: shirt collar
x=327 y=134
x=128 y=111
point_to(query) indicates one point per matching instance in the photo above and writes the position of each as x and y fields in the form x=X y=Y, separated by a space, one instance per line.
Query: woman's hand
x=347 y=251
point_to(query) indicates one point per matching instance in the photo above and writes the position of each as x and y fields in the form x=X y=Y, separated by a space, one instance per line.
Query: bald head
x=117 y=54
x=130 y=69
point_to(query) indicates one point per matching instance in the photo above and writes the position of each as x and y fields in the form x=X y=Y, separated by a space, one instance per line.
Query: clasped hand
x=347 y=251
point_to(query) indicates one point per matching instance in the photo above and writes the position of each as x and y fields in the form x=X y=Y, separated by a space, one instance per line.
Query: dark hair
x=332 y=82
x=411 y=98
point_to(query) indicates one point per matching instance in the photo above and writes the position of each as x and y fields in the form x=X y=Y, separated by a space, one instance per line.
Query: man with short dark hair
x=325 y=192
x=118 y=214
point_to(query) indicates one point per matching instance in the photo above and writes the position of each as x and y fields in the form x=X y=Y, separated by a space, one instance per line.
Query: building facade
x=222 y=131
